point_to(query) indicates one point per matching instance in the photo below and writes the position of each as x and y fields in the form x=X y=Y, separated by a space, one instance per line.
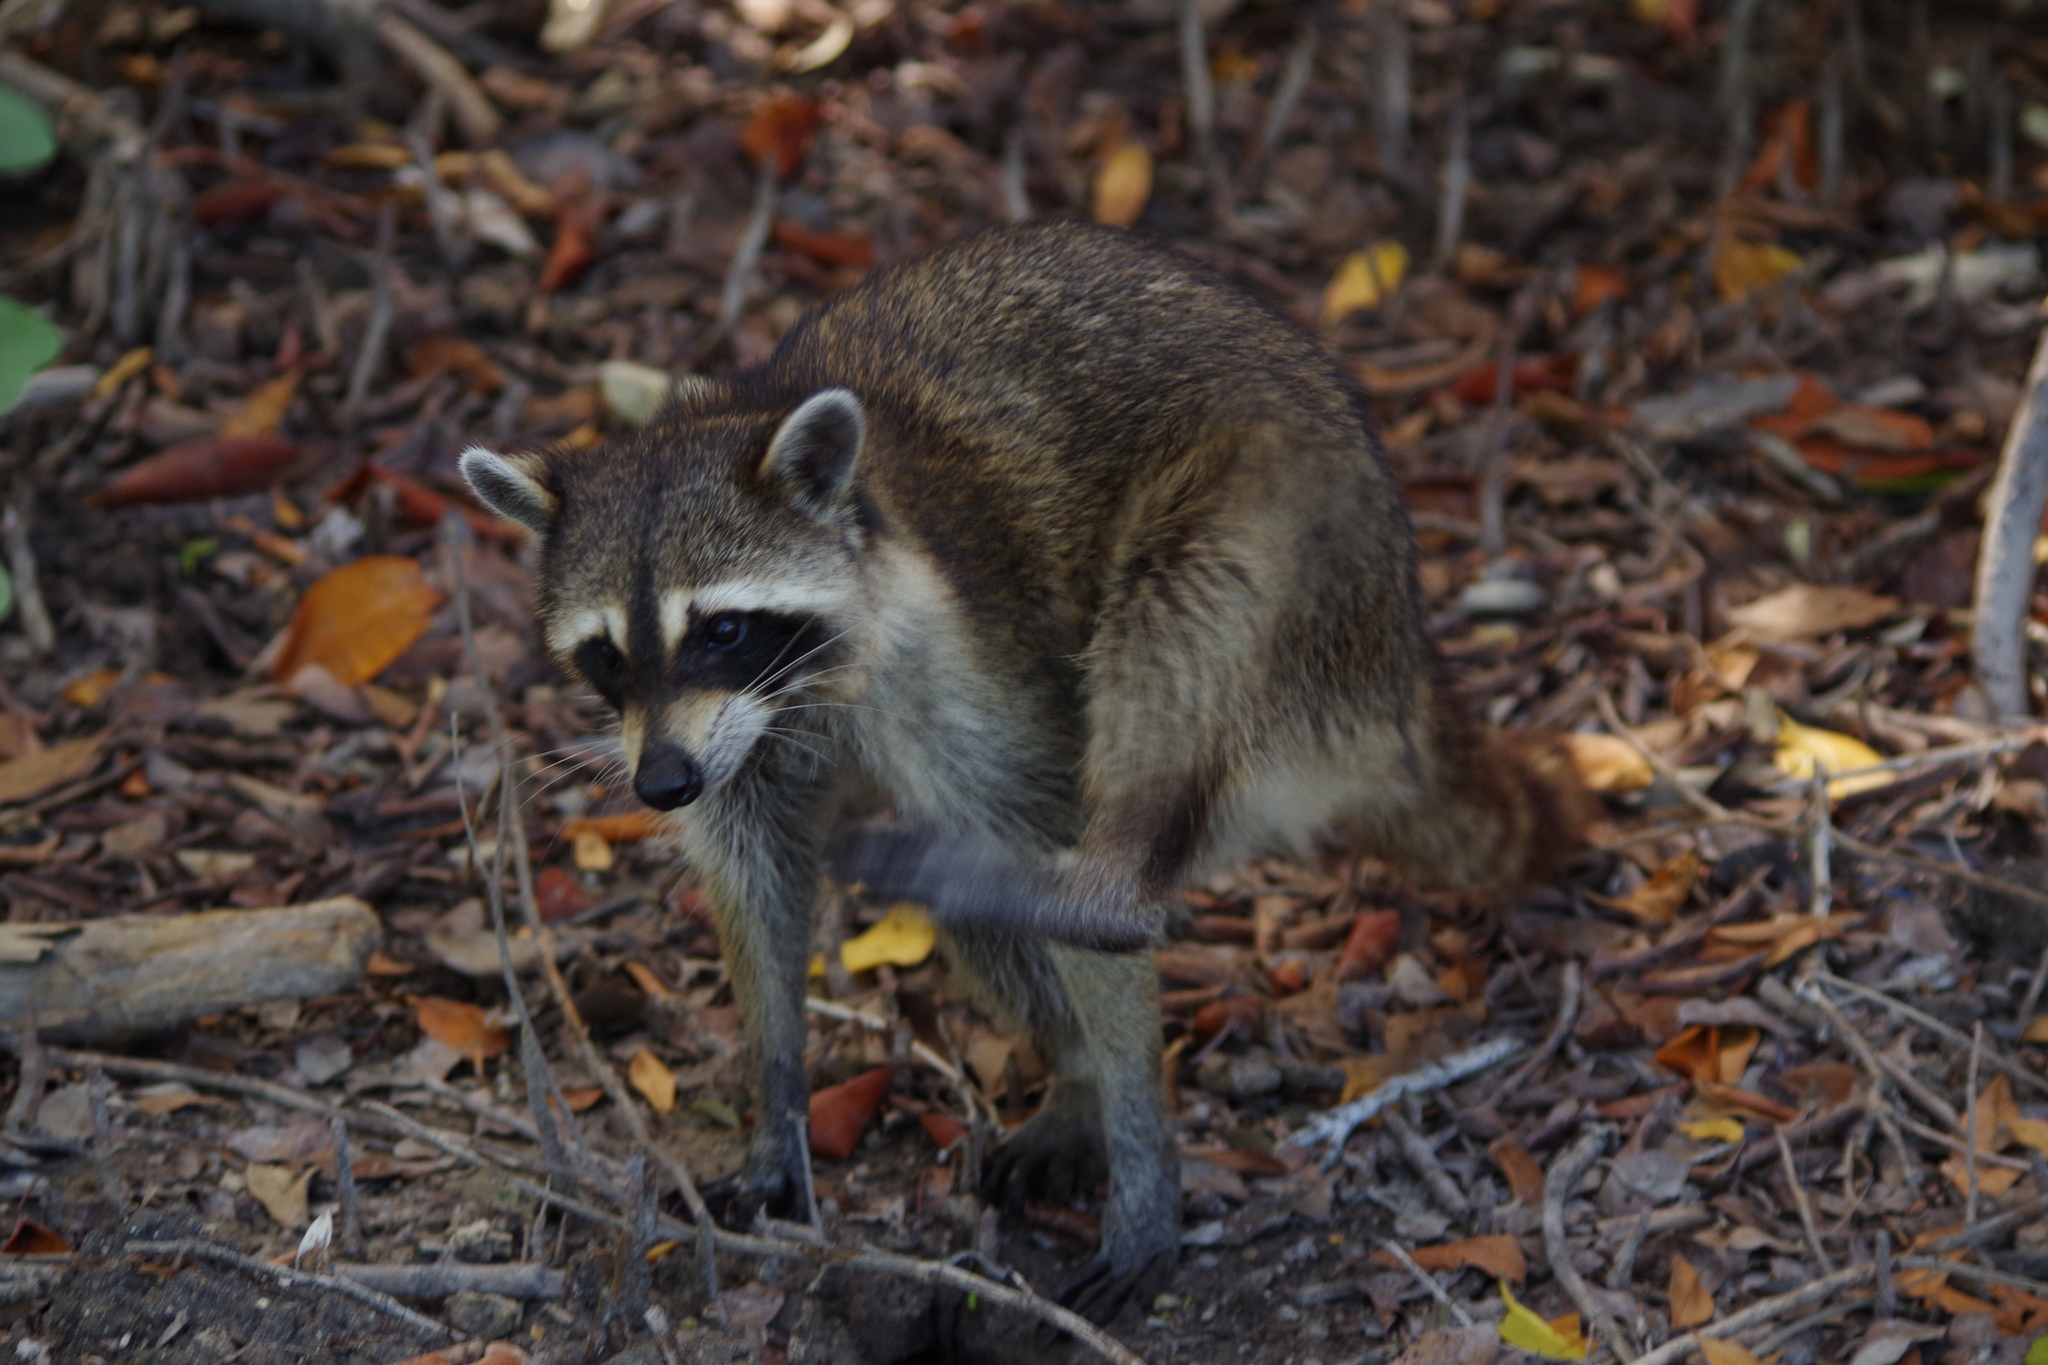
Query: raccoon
x=1090 y=564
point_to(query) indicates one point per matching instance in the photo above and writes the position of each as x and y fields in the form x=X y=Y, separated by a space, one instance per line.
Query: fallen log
x=94 y=980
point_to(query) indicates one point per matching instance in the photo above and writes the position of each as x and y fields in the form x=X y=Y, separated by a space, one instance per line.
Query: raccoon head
x=701 y=576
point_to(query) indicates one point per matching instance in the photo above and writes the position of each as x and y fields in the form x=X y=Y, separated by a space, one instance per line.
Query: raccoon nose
x=667 y=777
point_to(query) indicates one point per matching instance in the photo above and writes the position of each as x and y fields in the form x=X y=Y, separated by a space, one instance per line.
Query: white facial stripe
x=579 y=625
x=675 y=618
x=783 y=595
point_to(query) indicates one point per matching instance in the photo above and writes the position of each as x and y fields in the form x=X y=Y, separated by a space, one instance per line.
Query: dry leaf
x=33 y=774
x=1712 y=1130
x=1560 y=1339
x=1741 y=268
x=31 y=1238
x=357 y=619
x=281 y=1192
x=1608 y=763
x=1371 y=942
x=1524 y=1176
x=1719 y=1351
x=591 y=851
x=840 y=1113
x=262 y=412
x=655 y=1082
x=902 y=938
x=1366 y=279
x=645 y=978
x=465 y=1028
x=1691 y=1304
x=212 y=466
x=1657 y=900
x=1123 y=184
x=1804 y=611
x=620 y=829
x=1498 y=1254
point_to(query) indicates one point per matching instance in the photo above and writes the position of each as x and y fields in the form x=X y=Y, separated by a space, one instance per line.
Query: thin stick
x=740 y=274
x=474 y=113
x=1820 y=873
x=1564 y=1173
x=1428 y=1281
x=1758 y=1314
x=1887 y=1289
x=1567 y=1015
x=1805 y=1205
x=36 y=627
x=1970 y=1135
x=833 y=1010
x=292 y=1279
x=1450 y=213
x=1301 y=62
x=1335 y=1125
x=1421 y=1158
x=1947 y=753
x=370 y=358
x=1998 y=1060
x=1624 y=1268
x=2005 y=565
x=1195 y=83
x=1875 y=1063
x=2025 y=1013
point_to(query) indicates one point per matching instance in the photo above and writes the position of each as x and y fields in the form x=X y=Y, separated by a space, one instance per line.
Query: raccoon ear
x=513 y=486
x=812 y=456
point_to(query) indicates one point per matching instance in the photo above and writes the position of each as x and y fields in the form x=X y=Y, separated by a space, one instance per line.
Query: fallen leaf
x=33 y=774
x=1560 y=1339
x=31 y=1238
x=575 y=246
x=168 y=1098
x=262 y=412
x=558 y=895
x=1218 y=1015
x=1742 y=268
x=1832 y=1082
x=1123 y=184
x=752 y=1306
x=652 y=1078
x=204 y=467
x=1805 y=611
x=781 y=128
x=826 y=248
x=1690 y=1302
x=621 y=829
x=123 y=370
x=1712 y=1130
x=1657 y=900
x=943 y=1129
x=381 y=964
x=1720 y=1351
x=582 y=1097
x=1608 y=763
x=1366 y=279
x=466 y=1028
x=1524 y=1176
x=1593 y=285
x=359 y=618
x=281 y=1191
x=235 y=201
x=644 y=977
x=1498 y=1254
x=1876 y=429
x=1552 y=373
x=840 y=1113
x=1804 y=750
x=455 y=355
x=1371 y=942
x=903 y=937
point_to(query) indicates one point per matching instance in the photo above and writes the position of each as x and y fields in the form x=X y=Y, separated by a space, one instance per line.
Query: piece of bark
x=102 y=979
x=439 y=1279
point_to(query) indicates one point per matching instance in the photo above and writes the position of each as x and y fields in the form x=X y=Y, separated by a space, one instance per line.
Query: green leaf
x=2037 y=1354
x=6 y=594
x=26 y=138
x=27 y=343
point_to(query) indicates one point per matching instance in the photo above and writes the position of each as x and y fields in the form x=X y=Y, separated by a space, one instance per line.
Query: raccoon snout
x=667 y=777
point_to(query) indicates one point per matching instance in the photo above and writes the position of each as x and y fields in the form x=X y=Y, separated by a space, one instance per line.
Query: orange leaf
x=582 y=1097
x=31 y=1238
x=1742 y=268
x=782 y=128
x=645 y=978
x=203 y=467
x=575 y=246
x=840 y=1113
x=1123 y=184
x=1370 y=944
x=466 y=1028
x=558 y=895
x=1524 y=1176
x=1498 y=1254
x=358 y=619
x=1217 y=1015
x=262 y=412
x=1747 y=1101
x=655 y=1082
x=381 y=965
x=1593 y=285
x=1657 y=900
x=943 y=1129
x=1691 y=1304
x=826 y=248
x=454 y=355
x=1720 y=1351
x=1876 y=429
x=620 y=829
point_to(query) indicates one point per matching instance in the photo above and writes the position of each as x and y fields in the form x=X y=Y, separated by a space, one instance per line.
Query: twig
x=1195 y=83
x=1567 y=1016
x=1805 y=1205
x=1301 y=63
x=1971 y=1138
x=345 y=1188
x=2025 y=1013
x=1698 y=800
x=370 y=357
x=1957 y=1145
x=1335 y=1126
x=740 y=274
x=1450 y=213
x=1421 y=1158
x=292 y=1279
x=1428 y=1281
x=1951 y=753
x=1887 y=1287
x=1820 y=873
x=472 y=108
x=833 y=1010
x=28 y=589
x=1968 y=1271
x=1391 y=102
x=1624 y=1268
x=1996 y=1059
x=1760 y=1313
x=1874 y=1062
x=1952 y=871
x=1564 y=1173
x=2005 y=565
x=438 y=1279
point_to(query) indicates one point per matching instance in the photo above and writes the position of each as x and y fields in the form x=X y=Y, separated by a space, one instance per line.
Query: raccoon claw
x=1100 y=1292
x=737 y=1200
x=1058 y=1165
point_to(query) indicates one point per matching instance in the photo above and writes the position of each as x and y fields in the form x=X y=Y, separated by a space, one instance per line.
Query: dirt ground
x=1694 y=330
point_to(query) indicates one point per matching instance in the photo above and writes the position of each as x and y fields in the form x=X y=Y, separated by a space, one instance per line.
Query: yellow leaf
x=1722 y=1352
x=1741 y=268
x=123 y=370
x=1123 y=184
x=1691 y=1304
x=592 y=851
x=1650 y=11
x=1608 y=763
x=902 y=938
x=653 y=1080
x=1522 y=1328
x=1367 y=279
x=33 y=774
x=2036 y=1032
x=1658 y=899
x=359 y=618
x=1802 y=749
x=282 y=1194
x=1713 y=1130
x=262 y=412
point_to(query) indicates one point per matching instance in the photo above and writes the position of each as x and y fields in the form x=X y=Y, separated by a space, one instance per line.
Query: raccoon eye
x=602 y=664
x=725 y=630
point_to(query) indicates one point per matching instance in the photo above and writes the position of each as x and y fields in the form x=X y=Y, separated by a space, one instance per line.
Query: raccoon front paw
x=1116 y=1277
x=1057 y=1157
x=772 y=1184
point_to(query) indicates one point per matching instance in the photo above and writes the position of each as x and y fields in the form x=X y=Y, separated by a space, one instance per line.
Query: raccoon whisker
x=772 y=673
x=790 y=737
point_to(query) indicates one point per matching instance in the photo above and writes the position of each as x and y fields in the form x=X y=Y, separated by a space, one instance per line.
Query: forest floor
x=1693 y=333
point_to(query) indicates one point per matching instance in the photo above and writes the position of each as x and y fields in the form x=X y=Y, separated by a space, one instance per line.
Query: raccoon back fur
x=1090 y=564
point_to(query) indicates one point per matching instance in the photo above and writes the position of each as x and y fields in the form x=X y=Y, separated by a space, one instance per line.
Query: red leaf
x=559 y=895
x=1370 y=945
x=1552 y=372
x=826 y=248
x=236 y=200
x=781 y=127
x=943 y=1129
x=31 y=1238
x=575 y=248
x=1217 y=1015
x=203 y=467
x=840 y=1113
x=419 y=505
